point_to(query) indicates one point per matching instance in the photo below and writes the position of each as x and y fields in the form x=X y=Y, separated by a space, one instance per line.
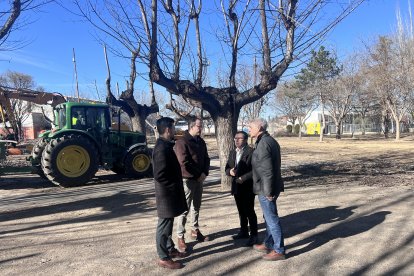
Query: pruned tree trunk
x=138 y=123
x=225 y=143
x=138 y=113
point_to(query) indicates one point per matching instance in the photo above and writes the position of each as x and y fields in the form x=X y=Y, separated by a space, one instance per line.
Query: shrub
x=289 y=128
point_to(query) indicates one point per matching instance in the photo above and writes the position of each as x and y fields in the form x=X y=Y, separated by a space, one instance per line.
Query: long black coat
x=169 y=189
x=243 y=170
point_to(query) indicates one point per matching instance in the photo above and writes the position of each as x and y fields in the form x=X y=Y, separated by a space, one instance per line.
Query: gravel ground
x=347 y=210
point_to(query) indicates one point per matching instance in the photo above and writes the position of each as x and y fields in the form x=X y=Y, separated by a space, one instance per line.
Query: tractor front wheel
x=138 y=163
x=70 y=160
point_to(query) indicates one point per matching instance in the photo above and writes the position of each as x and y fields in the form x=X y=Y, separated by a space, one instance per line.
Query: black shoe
x=240 y=235
x=252 y=241
x=197 y=236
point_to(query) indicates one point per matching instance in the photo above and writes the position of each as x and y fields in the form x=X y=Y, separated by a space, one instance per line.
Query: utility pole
x=97 y=92
x=76 y=75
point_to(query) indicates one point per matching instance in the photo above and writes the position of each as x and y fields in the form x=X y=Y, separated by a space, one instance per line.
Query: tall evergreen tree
x=316 y=76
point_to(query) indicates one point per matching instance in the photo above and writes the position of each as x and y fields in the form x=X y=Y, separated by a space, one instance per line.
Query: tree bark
x=225 y=143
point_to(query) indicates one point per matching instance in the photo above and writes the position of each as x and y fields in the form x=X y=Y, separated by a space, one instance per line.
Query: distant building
x=352 y=123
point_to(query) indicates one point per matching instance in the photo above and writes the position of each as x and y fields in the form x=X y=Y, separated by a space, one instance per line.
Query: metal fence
x=355 y=128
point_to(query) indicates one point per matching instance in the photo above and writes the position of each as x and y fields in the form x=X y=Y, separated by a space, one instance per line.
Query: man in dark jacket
x=267 y=184
x=169 y=193
x=239 y=167
x=191 y=151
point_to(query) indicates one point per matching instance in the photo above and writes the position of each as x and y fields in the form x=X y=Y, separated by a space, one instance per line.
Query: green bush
x=289 y=128
x=296 y=129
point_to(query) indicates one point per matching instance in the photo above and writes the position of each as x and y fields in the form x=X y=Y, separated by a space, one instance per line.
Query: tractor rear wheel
x=138 y=163
x=70 y=160
x=37 y=156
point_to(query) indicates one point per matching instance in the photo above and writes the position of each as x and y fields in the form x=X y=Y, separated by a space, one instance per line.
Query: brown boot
x=177 y=254
x=261 y=248
x=170 y=264
x=196 y=235
x=182 y=247
x=274 y=256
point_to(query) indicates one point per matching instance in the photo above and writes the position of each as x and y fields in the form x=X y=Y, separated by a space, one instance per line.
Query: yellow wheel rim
x=73 y=161
x=141 y=162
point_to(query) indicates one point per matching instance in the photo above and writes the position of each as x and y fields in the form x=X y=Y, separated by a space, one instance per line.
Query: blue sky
x=48 y=58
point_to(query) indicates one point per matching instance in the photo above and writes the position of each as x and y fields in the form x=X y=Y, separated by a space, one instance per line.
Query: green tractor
x=82 y=140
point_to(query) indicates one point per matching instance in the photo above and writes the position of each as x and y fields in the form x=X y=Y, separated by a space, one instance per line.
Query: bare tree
x=21 y=109
x=10 y=21
x=286 y=102
x=339 y=97
x=279 y=33
x=296 y=104
x=247 y=77
x=136 y=111
x=391 y=67
x=365 y=101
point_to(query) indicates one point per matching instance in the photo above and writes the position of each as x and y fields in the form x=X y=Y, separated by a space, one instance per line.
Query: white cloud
x=20 y=57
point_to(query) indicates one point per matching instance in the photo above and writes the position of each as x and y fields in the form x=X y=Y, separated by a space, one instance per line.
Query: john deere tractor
x=82 y=140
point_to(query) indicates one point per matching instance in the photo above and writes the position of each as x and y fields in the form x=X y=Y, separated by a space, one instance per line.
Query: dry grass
x=368 y=161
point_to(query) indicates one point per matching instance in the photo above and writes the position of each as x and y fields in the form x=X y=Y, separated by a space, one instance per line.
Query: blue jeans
x=274 y=235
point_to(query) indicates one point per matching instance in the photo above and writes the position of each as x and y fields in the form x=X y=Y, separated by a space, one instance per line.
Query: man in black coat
x=239 y=167
x=169 y=193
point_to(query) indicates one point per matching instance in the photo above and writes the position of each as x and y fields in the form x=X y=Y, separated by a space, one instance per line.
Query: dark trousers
x=163 y=237
x=247 y=215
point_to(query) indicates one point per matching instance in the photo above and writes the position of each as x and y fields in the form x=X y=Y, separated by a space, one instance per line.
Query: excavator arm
x=37 y=97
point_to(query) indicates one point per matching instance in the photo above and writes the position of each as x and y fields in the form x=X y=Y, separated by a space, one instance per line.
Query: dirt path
x=347 y=210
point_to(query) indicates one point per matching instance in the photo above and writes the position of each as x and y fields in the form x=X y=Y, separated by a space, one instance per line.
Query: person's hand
x=233 y=172
x=270 y=198
x=201 y=178
x=239 y=180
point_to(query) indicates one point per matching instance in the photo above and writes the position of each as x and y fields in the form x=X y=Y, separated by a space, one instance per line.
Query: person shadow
x=303 y=221
x=292 y=224
x=344 y=229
